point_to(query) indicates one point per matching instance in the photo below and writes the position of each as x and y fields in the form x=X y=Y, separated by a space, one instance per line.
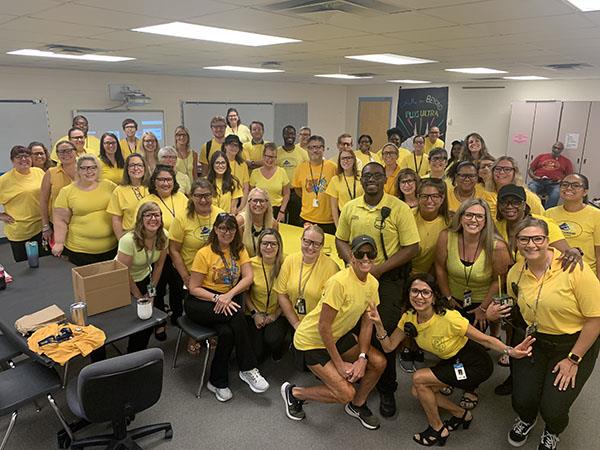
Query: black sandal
x=431 y=437
x=469 y=403
x=162 y=334
x=453 y=423
x=447 y=390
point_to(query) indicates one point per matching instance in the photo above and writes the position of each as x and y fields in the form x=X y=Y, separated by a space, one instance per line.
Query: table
x=291 y=236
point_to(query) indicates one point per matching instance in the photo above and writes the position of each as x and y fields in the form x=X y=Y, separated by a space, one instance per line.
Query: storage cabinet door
x=520 y=129
x=545 y=128
x=573 y=127
x=590 y=164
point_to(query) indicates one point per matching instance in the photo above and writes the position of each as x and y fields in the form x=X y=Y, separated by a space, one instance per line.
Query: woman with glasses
x=345 y=186
x=221 y=273
x=54 y=180
x=82 y=227
x=254 y=218
x=365 y=153
x=235 y=126
x=303 y=275
x=126 y=197
x=484 y=169
x=274 y=180
x=444 y=332
x=40 y=156
x=167 y=156
x=20 y=199
x=266 y=324
x=389 y=155
x=78 y=138
x=111 y=158
x=239 y=169
x=407 y=184
x=149 y=150
x=187 y=159
x=561 y=310
x=227 y=188
x=579 y=222
x=470 y=259
x=438 y=164
x=466 y=187
x=417 y=160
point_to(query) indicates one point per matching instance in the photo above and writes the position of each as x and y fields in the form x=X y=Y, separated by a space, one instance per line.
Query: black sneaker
x=364 y=414
x=548 y=441
x=407 y=361
x=505 y=388
x=519 y=433
x=387 y=404
x=419 y=355
x=293 y=406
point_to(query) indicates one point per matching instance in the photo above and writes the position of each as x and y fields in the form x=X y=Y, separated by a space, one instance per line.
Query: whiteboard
x=21 y=122
x=101 y=121
x=196 y=117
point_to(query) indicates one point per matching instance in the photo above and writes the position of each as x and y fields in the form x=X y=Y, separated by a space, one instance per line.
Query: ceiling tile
x=389 y=23
x=249 y=19
x=40 y=26
x=533 y=25
x=318 y=32
x=22 y=7
x=176 y=10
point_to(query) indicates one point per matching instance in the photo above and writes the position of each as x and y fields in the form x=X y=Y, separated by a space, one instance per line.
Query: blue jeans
x=551 y=189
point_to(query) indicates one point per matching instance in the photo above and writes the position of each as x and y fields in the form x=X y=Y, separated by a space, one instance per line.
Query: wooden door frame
x=373 y=99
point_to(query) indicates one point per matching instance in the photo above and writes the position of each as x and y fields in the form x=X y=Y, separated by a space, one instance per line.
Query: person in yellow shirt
x=252 y=151
x=236 y=127
x=20 y=198
x=324 y=342
x=255 y=217
x=149 y=151
x=217 y=127
x=303 y=134
x=221 y=273
x=407 y=183
x=310 y=183
x=389 y=155
x=391 y=223
x=239 y=169
x=187 y=159
x=82 y=227
x=433 y=140
x=484 y=169
x=417 y=160
x=289 y=157
x=345 y=186
x=438 y=164
x=303 y=275
x=466 y=188
x=89 y=142
x=365 y=153
x=111 y=158
x=394 y=136
x=561 y=310
x=267 y=327
x=227 y=188
x=127 y=195
x=40 y=157
x=579 y=222
x=168 y=156
x=130 y=143
x=464 y=363
x=274 y=180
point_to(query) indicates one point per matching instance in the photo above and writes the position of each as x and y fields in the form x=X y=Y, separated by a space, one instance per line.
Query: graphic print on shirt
x=320 y=188
x=570 y=229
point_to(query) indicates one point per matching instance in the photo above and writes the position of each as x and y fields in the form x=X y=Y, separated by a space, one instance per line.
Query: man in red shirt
x=546 y=172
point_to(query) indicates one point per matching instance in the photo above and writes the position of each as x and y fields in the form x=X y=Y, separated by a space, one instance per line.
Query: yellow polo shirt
x=289 y=161
x=252 y=151
x=419 y=164
x=171 y=207
x=219 y=277
x=126 y=150
x=20 y=196
x=402 y=153
x=114 y=174
x=344 y=189
x=58 y=179
x=429 y=232
x=223 y=199
x=124 y=203
x=429 y=145
x=366 y=159
x=313 y=185
x=554 y=232
x=274 y=185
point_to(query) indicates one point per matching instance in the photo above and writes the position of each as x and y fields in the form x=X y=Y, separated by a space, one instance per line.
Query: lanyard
x=468 y=277
x=418 y=169
x=229 y=270
x=269 y=288
x=172 y=211
x=353 y=193
x=137 y=192
x=315 y=186
x=301 y=288
x=149 y=258
x=253 y=235
x=539 y=292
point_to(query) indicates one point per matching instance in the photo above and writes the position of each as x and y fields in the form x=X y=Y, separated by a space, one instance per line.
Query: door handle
x=585 y=161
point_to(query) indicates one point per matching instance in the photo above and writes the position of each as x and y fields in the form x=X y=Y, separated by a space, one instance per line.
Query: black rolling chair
x=114 y=390
x=7 y=352
x=198 y=333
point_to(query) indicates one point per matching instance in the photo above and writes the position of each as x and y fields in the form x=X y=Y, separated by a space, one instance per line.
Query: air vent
x=364 y=74
x=483 y=87
x=357 y=7
x=568 y=66
x=487 y=79
x=72 y=50
x=271 y=65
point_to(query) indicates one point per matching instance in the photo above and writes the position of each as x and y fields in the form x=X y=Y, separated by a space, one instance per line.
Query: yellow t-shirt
x=480 y=192
x=314 y=277
x=532 y=200
x=263 y=302
x=192 y=233
x=214 y=146
x=240 y=171
x=126 y=150
x=428 y=145
x=90 y=229
x=184 y=182
x=390 y=183
x=444 y=335
x=223 y=199
x=402 y=153
x=139 y=268
x=554 y=232
x=92 y=145
x=344 y=189
x=186 y=165
x=114 y=174
x=219 y=277
x=58 y=180
x=124 y=203
x=20 y=195
x=243 y=132
x=171 y=207
x=566 y=299
x=253 y=152
x=349 y=296
x=366 y=159
x=313 y=181
x=428 y=233
x=399 y=229
x=581 y=229
x=419 y=164
x=289 y=161
x=274 y=185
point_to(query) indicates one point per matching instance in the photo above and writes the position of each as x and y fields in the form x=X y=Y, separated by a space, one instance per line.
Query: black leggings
x=18 y=248
x=269 y=340
x=83 y=259
x=170 y=277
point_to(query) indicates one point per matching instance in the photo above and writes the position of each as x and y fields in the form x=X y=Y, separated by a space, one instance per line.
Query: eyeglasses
x=77 y=138
x=88 y=168
x=181 y=135
x=425 y=293
x=360 y=254
x=110 y=143
x=205 y=196
x=149 y=141
x=438 y=159
x=316 y=147
x=220 y=163
x=38 y=154
x=22 y=156
x=434 y=197
x=311 y=243
x=64 y=151
x=499 y=169
x=514 y=202
x=408 y=181
x=575 y=185
x=373 y=176
x=265 y=156
x=345 y=144
x=225 y=229
x=390 y=153
x=169 y=157
x=164 y=180
x=219 y=127
x=269 y=244
x=525 y=240
x=486 y=166
x=419 y=143
x=152 y=215
x=466 y=176
x=347 y=158
x=130 y=126
x=258 y=201
x=136 y=166
x=477 y=216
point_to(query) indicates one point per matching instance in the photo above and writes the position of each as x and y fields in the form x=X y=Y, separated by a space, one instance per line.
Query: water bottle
x=2 y=278
x=33 y=258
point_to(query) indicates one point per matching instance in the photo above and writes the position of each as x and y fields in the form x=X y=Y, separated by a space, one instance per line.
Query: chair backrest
x=20 y=342
x=119 y=387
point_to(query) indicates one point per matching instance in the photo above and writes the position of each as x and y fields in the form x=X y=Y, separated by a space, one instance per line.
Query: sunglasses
x=360 y=254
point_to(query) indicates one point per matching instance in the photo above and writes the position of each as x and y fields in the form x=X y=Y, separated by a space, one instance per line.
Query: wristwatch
x=575 y=359
x=364 y=356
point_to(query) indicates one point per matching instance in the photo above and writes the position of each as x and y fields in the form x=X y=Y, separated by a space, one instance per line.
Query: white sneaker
x=222 y=394
x=255 y=380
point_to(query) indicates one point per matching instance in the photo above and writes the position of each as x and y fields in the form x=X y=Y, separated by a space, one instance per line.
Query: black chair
x=7 y=352
x=198 y=333
x=114 y=390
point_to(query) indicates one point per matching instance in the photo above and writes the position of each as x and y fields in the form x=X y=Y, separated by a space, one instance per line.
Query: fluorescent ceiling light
x=204 y=33
x=243 y=69
x=408 y=81
x=390 y=58
x=476 y=70
x=526 y=78
x=89 y=57
x=586 y=5
x=341 y=76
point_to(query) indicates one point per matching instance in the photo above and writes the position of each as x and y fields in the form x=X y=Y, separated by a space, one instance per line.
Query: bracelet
x=507 y=350
x=215 y=298
x=281 y=211
x=482 y=309
x=381 y=338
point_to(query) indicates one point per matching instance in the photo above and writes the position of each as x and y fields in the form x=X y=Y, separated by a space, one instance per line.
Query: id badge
x=459 y=371
x=301 y=306
x=467 y=298
x=151 y=290
x=315 y=203
x=531 y=329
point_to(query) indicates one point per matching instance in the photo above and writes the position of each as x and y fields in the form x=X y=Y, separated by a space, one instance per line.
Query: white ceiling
x=519 y=36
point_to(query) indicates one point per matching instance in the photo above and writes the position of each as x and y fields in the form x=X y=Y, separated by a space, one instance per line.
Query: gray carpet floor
x=258 y=421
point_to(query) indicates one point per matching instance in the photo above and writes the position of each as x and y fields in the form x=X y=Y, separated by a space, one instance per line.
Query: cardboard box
x=104 y=286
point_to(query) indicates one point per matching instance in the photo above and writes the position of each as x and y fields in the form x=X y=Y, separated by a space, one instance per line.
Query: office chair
x=114 y=390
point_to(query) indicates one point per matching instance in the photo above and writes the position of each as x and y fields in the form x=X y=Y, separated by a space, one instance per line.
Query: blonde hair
x=88 y=157
x=247 y=236
x=488 y=233
x=490 y=185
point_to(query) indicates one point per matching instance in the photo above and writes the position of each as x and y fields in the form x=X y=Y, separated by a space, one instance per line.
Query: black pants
x=294 y=206
x=232 y=332
x=269 y=340
x=533 y=389
x=83 y=259
x=170 y=277
x=18 y=248
x=276 y=211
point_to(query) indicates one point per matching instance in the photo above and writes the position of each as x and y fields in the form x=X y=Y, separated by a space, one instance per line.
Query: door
x=591 y=154
x=573 y=128
x=545 y=129
x=374 y=114
x=520 y=129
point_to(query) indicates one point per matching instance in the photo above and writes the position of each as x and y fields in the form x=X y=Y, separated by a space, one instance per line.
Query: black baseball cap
x=512 y=190
x=361 y=240
x=233 y=139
